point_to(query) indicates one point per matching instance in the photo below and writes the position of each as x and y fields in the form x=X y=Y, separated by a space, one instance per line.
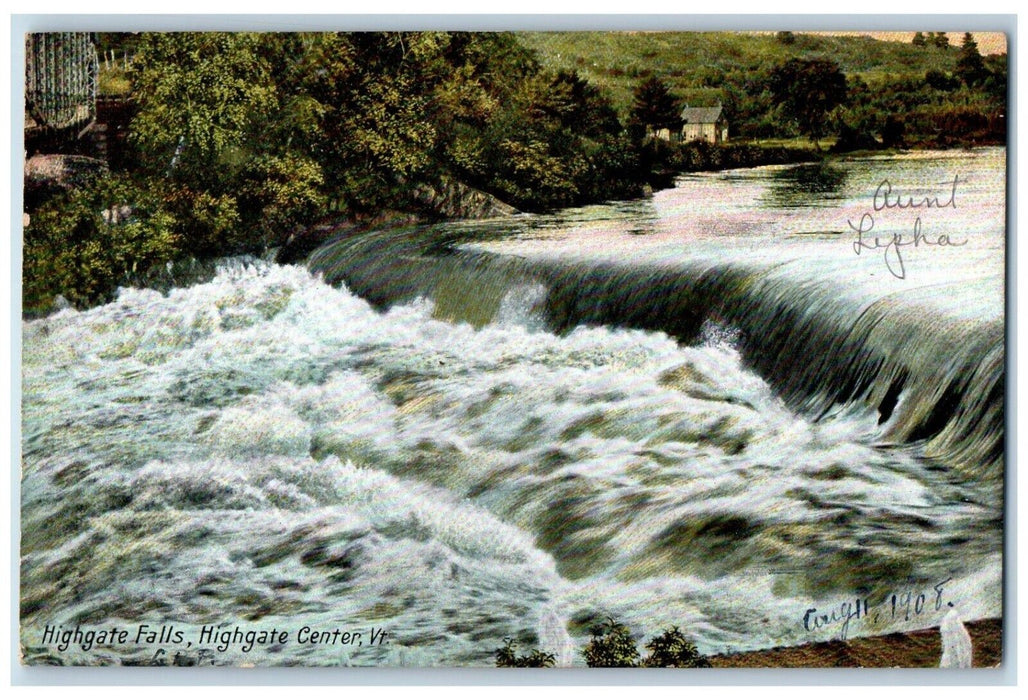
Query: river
x=701 y=409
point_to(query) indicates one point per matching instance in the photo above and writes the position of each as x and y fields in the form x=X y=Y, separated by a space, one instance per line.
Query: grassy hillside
x=897 y=93
x=695 y=64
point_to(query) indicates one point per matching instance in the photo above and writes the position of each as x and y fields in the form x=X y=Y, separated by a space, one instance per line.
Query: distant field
x=988 y=42
x=694 y=64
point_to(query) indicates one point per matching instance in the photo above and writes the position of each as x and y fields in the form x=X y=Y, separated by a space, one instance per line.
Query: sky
x=988 y=42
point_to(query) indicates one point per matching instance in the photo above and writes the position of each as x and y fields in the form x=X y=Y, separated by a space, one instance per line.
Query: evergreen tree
x=655 y=107
x=892 y=132
x=996 y=82
x=919 y=39
x=970 y=66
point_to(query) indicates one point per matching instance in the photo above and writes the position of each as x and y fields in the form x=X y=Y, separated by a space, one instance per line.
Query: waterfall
x=465 y=433
x=937 y=380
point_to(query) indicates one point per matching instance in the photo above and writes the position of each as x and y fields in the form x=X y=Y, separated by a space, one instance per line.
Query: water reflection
x=634 y=216
x=808 y=185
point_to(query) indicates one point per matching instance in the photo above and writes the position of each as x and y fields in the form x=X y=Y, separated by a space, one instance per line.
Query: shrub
x=208 y=224
x=612 y=646
x=507 y=657
x=113 y=82
x=671 y=649
x=84 y=244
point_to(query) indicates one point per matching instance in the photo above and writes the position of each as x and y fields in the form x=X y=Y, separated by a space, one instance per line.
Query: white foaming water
x=719 y=335
x=520 y=306
x=267 y=451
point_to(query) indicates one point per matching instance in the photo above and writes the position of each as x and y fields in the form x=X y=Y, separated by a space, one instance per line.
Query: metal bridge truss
x=60 y=80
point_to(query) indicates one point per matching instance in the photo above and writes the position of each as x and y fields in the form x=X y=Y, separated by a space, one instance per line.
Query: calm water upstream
x=703 y=409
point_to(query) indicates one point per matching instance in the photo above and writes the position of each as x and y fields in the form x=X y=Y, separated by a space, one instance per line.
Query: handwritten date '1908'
x=908 y=605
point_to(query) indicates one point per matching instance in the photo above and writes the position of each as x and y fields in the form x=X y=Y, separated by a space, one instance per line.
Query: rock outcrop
x=49 y=174
x=449 y=199
x=446 y=200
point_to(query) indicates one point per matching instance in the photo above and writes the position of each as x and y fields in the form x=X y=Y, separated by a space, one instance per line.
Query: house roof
x=701 y=115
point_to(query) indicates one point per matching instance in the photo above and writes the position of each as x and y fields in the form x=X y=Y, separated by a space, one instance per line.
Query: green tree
x=808 y=90
x=919 y=39
x=892 y=132
x=654 y=106
x=556 y=141
x=996 y=82
x=970 y=66
x=612 y=646
x=671 y=649
x=580 y=106
x=213 y=124
x=939 y=40
x=373 y=91
x=201 y=95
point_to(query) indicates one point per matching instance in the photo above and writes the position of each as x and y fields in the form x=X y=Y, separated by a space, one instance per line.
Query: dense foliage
x=82 y=243
x=286 y=120
x=246 y=137
x=808 y=90
x=611 y=646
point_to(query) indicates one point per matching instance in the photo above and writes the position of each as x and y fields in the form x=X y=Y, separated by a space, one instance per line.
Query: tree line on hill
x=812 y=97
x=939 y=108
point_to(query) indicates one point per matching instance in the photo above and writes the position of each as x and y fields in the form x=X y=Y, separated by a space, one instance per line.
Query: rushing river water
x=517 y=429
